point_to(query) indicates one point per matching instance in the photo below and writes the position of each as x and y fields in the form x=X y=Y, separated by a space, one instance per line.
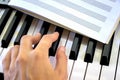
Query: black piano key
x=10 y=31
x=4 y=18
x=52 y=50
x=105 y=58
x=90 y=51
x=1 y=76
x=75 y=47
x=44 y=28
x=23 y=29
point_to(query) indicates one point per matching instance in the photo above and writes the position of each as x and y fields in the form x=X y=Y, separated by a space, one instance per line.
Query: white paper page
x=96 y=19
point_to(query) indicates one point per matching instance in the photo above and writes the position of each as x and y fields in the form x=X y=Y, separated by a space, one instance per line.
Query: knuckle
x=10 y=71
x=21 y=61
x=26 y=39
x=16 y=47
x=36 y=54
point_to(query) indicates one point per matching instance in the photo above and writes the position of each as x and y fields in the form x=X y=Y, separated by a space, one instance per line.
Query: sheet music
x=93 y=18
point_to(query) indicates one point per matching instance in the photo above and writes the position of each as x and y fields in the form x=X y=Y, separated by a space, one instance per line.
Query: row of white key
x=79 y=66
x=94 y=71
x=108 y=72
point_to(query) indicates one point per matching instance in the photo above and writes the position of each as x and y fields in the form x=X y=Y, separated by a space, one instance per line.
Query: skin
x=22 y=62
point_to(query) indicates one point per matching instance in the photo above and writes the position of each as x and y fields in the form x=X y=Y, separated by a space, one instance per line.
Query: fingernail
x=56 y=33
x=38 y=34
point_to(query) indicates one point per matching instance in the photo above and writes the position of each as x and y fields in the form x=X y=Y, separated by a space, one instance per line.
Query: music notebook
x=96 y=19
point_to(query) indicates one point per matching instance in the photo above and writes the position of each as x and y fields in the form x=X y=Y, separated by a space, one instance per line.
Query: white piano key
x=2 y=57
x=93 y=69
x=68 y=49
x=63 y=41
x=70 y=68
x=33 y=26
x=38 y=28
x=108 y=72
x=2 y=12
x=7 y=25
x=1 y=68
x=52 y=61
x=51 y=58
x=1 y=49
x=79 y=68
x=17 y=30
x=69 y=43
x=64 y=37
x=118 y=67
x=51 y=29
x=69 y=64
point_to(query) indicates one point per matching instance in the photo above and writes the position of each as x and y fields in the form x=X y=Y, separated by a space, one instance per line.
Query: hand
x=25 y=63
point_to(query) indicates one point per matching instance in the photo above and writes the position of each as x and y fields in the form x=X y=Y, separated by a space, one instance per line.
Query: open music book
x=96 y=19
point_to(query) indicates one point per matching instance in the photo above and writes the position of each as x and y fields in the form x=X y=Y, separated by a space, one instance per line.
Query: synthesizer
x=88 y=59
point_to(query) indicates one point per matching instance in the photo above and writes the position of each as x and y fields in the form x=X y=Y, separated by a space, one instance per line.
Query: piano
x=88 y=59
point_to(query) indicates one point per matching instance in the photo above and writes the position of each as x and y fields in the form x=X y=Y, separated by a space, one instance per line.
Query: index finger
x=27 y=41
x=46 y=42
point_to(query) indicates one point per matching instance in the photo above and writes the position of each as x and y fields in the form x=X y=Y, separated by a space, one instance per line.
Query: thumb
x=61 y=64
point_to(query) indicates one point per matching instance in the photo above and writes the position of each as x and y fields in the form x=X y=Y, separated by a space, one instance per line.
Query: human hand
x=25 y=63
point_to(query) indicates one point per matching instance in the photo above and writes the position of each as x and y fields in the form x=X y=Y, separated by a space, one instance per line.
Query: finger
x=46 y=42
x=6 y=61
x=25 y=47
x=61 y=64
x=27 y=41
x=14 y=55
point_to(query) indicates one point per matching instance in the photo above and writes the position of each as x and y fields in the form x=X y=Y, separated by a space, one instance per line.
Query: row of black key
x=76 y=43
x=91 y=46
x=23 y=29
x=4 y=19
x=12 y=27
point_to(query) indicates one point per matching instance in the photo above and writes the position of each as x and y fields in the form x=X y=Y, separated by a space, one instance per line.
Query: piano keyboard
x=87 y=58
